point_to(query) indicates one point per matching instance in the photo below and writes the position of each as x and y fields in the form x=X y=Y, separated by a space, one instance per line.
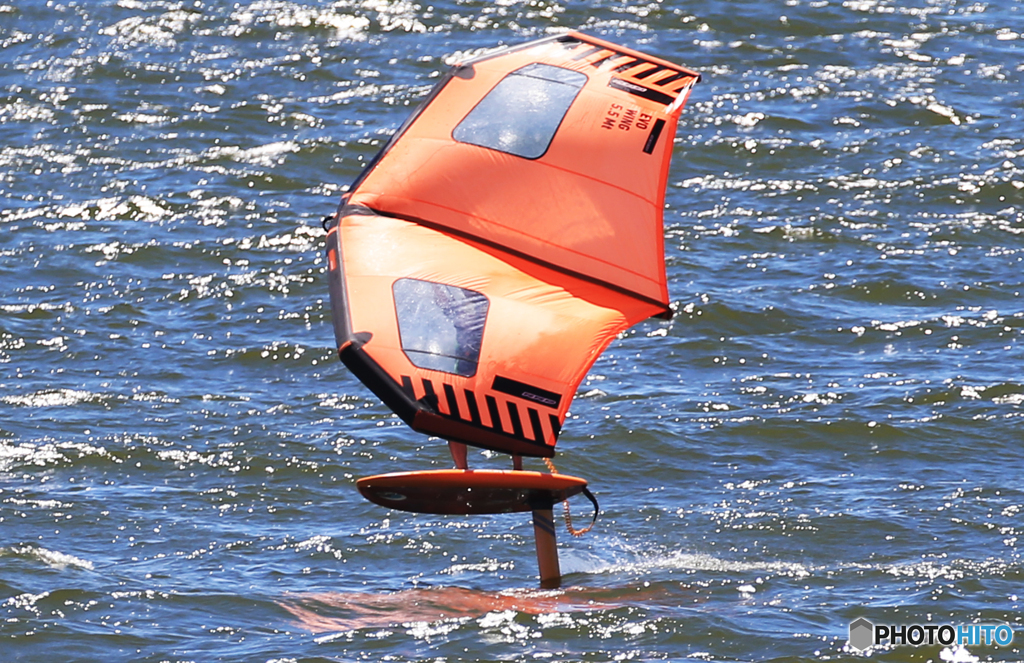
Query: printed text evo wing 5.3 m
x=505 y=235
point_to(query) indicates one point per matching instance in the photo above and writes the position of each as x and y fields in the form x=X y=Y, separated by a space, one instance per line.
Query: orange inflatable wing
x=505 y=235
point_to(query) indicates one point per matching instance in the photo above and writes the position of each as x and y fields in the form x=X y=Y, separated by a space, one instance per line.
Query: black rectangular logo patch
x=526 y=391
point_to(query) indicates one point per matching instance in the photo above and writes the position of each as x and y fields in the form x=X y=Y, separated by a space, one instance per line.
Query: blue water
x=830 y=427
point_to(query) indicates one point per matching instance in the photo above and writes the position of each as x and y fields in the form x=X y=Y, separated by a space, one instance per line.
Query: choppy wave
x=51 y=558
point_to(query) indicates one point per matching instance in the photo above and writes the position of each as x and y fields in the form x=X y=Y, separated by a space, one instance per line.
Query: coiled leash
x=568 y=516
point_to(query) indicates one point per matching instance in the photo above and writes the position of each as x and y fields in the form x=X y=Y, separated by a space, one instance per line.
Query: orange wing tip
x=469 y=492
x=596 y=41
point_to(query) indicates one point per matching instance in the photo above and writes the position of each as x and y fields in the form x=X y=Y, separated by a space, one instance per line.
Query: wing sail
x=506 y=234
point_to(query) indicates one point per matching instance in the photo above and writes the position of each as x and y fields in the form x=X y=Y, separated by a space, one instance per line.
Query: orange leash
x=568 y=515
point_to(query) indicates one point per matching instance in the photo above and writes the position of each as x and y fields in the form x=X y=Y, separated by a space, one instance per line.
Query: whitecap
x=51 y=398
x=42 y=455
x=637 y=561
x=957 y=654
x=52 y=558
x=268 y=155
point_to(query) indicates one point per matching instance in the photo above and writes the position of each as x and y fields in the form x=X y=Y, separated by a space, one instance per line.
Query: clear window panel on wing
x=521 y=114
x=441 y=326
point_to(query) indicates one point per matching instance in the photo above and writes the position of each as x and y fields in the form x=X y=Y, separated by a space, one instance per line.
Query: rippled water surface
x=829 y=428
